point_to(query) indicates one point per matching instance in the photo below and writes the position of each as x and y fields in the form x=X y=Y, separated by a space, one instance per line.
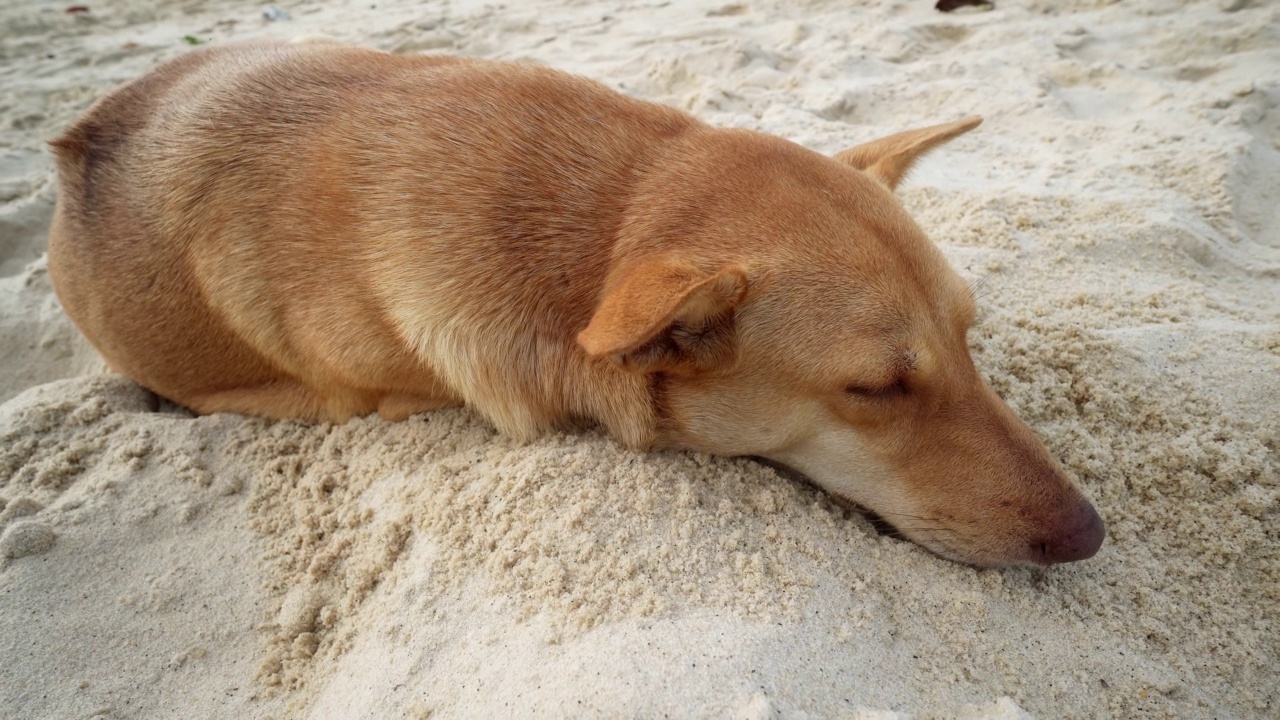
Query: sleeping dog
x=320 y=231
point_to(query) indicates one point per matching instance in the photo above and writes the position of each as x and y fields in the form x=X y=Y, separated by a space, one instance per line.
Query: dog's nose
x=1080 y=537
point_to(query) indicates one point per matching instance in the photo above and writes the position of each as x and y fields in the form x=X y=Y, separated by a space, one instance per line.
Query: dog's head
x=786 y=306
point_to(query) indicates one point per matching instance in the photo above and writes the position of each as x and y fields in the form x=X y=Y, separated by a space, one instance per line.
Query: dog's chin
x=941 y=549
x=966 y=556
x=976 y=557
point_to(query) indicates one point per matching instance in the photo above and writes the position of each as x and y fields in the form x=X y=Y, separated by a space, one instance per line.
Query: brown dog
x=320 y=231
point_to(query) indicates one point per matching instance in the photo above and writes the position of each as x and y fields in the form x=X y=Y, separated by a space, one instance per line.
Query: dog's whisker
x=921 y=518
x=977 y=285
x=950 y=521
x=905 y=528
x=899 y=514
x=981 y=284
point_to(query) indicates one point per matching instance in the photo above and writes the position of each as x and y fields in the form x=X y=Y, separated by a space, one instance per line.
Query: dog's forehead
x=863 y=270
x=836 y=319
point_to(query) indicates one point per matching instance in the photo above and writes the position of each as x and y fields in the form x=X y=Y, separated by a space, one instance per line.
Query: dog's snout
x=1078 y=538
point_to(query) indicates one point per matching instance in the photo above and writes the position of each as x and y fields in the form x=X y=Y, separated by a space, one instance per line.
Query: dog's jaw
x=849 y=468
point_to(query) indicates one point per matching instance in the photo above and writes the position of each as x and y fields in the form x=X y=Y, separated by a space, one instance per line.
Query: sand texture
x=1119 y=206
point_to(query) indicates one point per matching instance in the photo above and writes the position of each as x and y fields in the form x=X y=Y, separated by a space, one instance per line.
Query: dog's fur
x=320 y=231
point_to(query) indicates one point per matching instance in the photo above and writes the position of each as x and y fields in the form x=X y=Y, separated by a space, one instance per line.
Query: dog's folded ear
x=889 y=158
x=664 y=314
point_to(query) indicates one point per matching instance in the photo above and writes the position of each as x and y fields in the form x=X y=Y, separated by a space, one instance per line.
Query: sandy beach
x=1119 y=205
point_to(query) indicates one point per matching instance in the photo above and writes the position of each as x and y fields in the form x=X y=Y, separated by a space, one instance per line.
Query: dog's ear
x=667 y=315
x=889 y=158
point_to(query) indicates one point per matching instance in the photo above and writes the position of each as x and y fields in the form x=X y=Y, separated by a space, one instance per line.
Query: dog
x=321 y=231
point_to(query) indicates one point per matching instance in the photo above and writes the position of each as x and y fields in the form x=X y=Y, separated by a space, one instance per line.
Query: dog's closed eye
x=878 y=392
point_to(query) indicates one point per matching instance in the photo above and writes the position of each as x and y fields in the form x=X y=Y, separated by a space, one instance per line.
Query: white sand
x=1121 y=199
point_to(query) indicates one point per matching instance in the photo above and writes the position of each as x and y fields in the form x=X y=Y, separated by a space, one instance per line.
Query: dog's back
x=324 y=217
